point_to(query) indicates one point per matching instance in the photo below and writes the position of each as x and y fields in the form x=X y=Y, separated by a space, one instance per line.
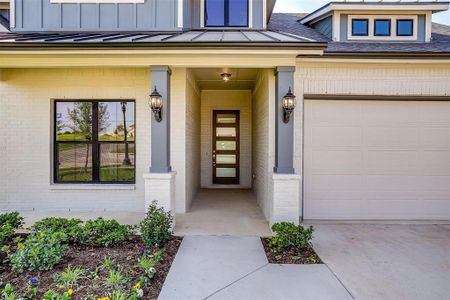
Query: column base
x=160 y=187
x=285 y=198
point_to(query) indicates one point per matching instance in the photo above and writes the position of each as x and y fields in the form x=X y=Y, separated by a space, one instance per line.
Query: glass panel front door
x=225 y=158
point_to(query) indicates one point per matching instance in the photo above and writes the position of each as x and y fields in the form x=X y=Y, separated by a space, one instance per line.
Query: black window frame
x=367 y=27
x=375 y=27
x=226 y=16
x=412 y=27
x=95 y=143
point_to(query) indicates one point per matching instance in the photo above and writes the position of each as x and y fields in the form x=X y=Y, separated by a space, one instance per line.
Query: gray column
x=284 y=133
x=160 y=162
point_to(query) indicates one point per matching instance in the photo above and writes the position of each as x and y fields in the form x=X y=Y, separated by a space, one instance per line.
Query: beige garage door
x=377 y=160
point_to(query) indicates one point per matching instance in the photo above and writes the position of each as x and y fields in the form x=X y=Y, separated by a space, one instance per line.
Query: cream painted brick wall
x=26 y=168
x=232 y=100
x=262 y=169
x=364 y=79
x=286 y=195
x=192 y=139
x=178 y=135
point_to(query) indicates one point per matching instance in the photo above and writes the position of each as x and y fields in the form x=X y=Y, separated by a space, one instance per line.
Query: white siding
x=232 y=100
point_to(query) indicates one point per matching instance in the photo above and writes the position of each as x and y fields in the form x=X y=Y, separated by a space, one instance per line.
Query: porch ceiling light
x=156 y=104
x=226 y=76
x=288 y=105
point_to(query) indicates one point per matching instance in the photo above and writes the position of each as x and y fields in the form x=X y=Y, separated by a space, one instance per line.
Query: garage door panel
x=331 y=209
x=391 y=137
x=435 y=162
x=335 y=113
x=333 y=137
x=435 y=138
x=392 y=162
x=435 y=114
x=335 y=182
x=336 y=162
x=380 y=160
x=394 y=113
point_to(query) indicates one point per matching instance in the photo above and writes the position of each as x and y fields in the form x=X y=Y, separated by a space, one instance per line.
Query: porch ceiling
x=210 y=78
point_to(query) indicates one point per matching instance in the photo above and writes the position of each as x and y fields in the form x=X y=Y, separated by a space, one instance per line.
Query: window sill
x=88 y=187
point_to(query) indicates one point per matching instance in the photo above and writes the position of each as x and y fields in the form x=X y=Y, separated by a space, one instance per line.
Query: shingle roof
x=288 y=22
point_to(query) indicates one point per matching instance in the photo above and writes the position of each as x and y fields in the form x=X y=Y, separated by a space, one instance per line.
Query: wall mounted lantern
x=288 y=105
x=156 y=104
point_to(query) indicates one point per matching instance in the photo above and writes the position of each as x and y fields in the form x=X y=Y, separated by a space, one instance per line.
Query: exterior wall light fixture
x=288 y=105
x=156 y=104
x=226 y=76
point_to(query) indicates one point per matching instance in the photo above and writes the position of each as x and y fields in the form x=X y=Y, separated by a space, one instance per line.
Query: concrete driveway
x=388 y=261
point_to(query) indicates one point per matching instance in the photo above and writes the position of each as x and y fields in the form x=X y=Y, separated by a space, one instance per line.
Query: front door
x=225 y=158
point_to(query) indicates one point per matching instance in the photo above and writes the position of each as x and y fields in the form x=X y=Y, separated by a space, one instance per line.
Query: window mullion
x=95 y=144
x=227 y=13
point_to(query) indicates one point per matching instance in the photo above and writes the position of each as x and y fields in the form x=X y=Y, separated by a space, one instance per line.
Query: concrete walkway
x=231 y=267
x=223 y=212
x=388 y=261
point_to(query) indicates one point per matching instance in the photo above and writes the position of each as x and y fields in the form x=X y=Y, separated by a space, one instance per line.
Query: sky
x=311 y=5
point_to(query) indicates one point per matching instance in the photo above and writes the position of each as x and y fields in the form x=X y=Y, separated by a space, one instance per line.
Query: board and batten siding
x=42 y=15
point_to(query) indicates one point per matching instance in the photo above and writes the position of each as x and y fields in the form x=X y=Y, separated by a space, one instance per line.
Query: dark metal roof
x=193 y=38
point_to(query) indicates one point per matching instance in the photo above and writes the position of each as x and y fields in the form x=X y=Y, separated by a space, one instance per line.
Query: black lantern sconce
x=156 y=104
x=288 y=105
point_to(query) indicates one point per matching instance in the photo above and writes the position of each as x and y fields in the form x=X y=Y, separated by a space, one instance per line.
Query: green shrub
x=41 y=251
x=9 y=222
x=289 y=236
x=105 y=233
x=14 y=219
x=70 y=227
x=156 y=228
x=8 y=292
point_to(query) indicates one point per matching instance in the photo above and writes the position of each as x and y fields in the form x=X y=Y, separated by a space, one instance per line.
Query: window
x=226 y=13
x=382 y=27
x=360 y=27
x=94 y=142
x=405 y=27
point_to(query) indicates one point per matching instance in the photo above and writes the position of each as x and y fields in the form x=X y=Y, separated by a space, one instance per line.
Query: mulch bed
x=294 y=256
x=125 y=254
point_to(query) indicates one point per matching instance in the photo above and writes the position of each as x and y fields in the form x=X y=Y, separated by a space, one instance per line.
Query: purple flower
x=33 y=280
x=142 y=250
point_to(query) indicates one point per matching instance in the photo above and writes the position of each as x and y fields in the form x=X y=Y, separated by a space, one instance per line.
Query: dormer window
x=405 y=27
x=226 y=13
x=360 y=27
x=382 y=27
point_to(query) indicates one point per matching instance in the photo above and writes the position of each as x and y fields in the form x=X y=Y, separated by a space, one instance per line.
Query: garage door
x=377 y=159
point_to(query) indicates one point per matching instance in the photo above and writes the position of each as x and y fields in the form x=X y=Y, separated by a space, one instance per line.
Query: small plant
x=105 y=233
x=107 y=263
x=52 y=295
x=118 y=295
x=9 y=222
x=42 y=251
x=289 y=236
x=156 y=228
x=70 y=227
x=70 y=277
x=8 y=292
x=116 y=280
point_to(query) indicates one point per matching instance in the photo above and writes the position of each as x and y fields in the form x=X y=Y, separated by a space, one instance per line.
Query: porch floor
x=223 y=212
